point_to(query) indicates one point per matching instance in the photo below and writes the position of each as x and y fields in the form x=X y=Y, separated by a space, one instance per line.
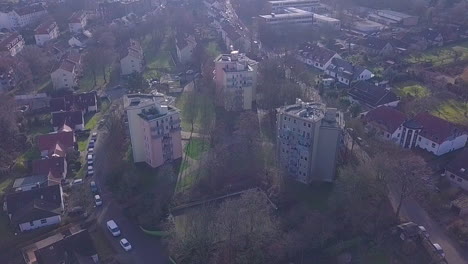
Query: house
x=56 y=143
x=77 y=22
x=46 y=32
x=345 y=72
x=184 y=47
x=73 y=245
x=54 y=167
x=460 y=205
x=436 y=135
x=31 y=182
x=386 y=122
x=85 y=102
x=131 y=59
x=400 y=18
x=36 y=208
x=22 y=17
x=433 y=37
x=457 y=170
x=316 y=56
x=371 y=95
x=79 y=40
x=66 y=75
x=233 y=39
x=72 y=119
x=11 y=43
x=376 y=46
x=33 y=102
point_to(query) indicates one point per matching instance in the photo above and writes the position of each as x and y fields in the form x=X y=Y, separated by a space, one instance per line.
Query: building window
x=433 y=145
x=419 y=138
x=43 y=221
x=31 y=223
x=452 y=177
x=459 y=180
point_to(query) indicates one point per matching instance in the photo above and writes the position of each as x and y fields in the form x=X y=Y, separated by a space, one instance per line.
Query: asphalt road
x=412 y=211
x=145 y=248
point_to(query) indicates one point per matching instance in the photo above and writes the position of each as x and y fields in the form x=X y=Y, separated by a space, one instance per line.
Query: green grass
x=212 y=49
x=86 y=83
x=195 y=148
x=158 y=59
x=453 y=111
x=202 y=109
x=183 y=166
x=413 y=89
x=82 y=144
x=442 y=56
x=92 y=122
x=4 y=184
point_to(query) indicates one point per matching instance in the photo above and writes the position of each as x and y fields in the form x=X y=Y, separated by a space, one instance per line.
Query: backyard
x=158 y=58
x=413 y=89
x=454 y=111
x=443 y=55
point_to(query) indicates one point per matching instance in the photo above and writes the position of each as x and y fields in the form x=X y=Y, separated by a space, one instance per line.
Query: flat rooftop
x=293 y=2
x=325 y=18
x=395 y=13
x=312 y=111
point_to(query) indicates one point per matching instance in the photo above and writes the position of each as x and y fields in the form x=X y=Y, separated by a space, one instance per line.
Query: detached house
x=46 y=32
x=457 y=170
x=376 y=46
x=35 y=208
x=424 y=131
x=66 y=76
x=79 y=40
x=71 y=119
x=85 y=102
x=184 y=47
x=344 y=72
x=316 y=56
x=78 y=22
x=22 y=17
x=56 y=144
x=11 y=43
x=131 y=59
x=371 y=95
x=54 y=167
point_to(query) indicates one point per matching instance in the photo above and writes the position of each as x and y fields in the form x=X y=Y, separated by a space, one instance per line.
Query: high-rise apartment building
x=236 y=81
x=308 y=139
x=155 y=130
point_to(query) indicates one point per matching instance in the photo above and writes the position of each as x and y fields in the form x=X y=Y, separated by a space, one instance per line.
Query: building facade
x=11 y=43
x=307 y=5
x=155 y=130
x=132 y=59
x=22 y=17
x=78 y=22
x=65 y=76
x=46 y=32
x=308 y=140
x=236 y=81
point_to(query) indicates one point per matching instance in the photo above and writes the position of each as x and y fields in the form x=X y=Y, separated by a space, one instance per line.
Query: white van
x=113 y=228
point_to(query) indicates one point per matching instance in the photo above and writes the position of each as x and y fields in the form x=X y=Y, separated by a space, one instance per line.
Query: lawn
x=443 y=55
x=158 y=59
x=212 y=49
x=195 y=148
x=82 y=144
x=86 y=83
x=413 y=89
x=92 y=122
x=199 y=107
x=454 y=111
x=4 y=184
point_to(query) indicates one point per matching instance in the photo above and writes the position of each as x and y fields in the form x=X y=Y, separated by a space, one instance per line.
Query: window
x=419 y=138
x=433 y=145
x=43 y=221
x=388 y=135
x=31 y=223
x=459 y=180
x=452 y=177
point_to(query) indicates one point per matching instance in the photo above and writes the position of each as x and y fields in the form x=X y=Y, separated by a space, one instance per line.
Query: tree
x=38 y=61
x=355 y=109
x=136 y=83
x=98 y=59
x=9 y=134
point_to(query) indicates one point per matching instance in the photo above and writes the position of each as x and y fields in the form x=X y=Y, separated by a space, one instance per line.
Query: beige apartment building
x=236 y=81
x=308 y=138
x=155 y=130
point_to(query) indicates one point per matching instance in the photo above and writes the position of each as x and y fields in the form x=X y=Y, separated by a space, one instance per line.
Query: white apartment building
x=291 y=15
x=307 y=5
x=65 y=76
x=21 y=17
x=326 y=21
x=155 y=130
x=11 y=43
x=308 y=139
x=132 y=58
x=46 y=32
x=78 y=22
x=236 y=81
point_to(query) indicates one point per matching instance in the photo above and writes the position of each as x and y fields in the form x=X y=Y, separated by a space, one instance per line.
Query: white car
x=113 y=228
x=423 y=231
x=125 y=244
x=439 y=249
x=76 y=182
x=97 y=200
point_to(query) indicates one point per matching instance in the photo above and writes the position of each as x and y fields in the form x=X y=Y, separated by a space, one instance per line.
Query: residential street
x=412 y=211
x=145 y=249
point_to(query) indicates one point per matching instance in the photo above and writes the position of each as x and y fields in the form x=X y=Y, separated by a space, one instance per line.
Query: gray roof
x=28 y=181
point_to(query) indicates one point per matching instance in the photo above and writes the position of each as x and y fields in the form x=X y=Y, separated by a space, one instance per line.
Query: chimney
x=234 y=55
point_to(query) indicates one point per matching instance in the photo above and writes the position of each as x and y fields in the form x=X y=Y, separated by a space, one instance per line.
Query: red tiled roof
x=386 y=117
x=73 y=57
x=437 y=129
x=46 y=27
x=77 y=17
x=54 y=166
x=67 y=65
x=49 y=141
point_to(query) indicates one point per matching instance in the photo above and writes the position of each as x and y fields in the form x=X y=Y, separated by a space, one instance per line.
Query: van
x=113 y=228
x=76 y=182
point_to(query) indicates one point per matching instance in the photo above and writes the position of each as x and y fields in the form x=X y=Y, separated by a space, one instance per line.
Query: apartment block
x=236 y=81
x=155 y=130
x=308 y=138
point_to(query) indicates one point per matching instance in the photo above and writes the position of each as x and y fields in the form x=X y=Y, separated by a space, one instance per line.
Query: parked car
x=439 y=249
x=125 y=244
x=423 y=231
x=76 y=182
x=90 y=157
x=94 y=135
x=94 y=187
x=91 y=144
x=113 y=228
x=91 y=151
x=90 y=171
x=97 y=200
